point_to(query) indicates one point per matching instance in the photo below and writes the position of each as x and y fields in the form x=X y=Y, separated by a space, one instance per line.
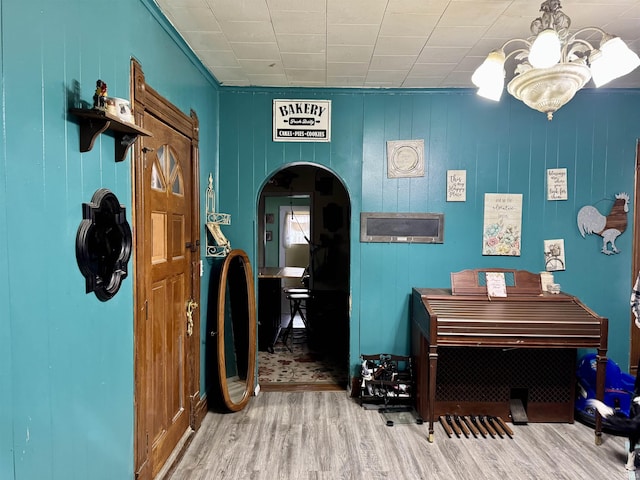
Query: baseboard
x=200 y=407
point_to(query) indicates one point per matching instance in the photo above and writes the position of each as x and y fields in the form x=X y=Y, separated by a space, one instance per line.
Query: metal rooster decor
x=590 y=221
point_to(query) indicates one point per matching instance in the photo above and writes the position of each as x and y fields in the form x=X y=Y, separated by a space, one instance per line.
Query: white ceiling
x=373 y=43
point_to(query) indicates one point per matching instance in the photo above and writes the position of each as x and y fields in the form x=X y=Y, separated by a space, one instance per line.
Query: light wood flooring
x=329 y=436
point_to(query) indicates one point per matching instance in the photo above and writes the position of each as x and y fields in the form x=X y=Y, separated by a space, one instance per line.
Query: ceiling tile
x=348 y=35
x=304 y=75
x=241 y=31
x=302 y=43
x=256 y=51
x=310 y=6
x=313 y=61
x=396 y=24
x=355 y=12
x=248 y=10
x=374 y=43
x=455 y=36
x=268 y=80
x=358 y=53
x=392 y=62
x=441 y=54
x=421 y=7
x=261 y=67
x=347 y=69
x=200 y=19
x=432 y=69
x=299 y=22
x=399 y=45
x=346 y=81
x=219 y=58
x=468 y=14
x=206 y=40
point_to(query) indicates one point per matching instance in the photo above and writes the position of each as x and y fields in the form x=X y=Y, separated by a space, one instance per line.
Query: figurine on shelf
x=99 y=98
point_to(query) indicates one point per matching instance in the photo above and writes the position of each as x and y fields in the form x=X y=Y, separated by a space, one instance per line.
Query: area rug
x=301 y=365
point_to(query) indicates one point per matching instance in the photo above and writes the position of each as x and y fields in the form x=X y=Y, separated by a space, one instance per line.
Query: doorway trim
x=634 y=347
x=317 y=190
x=147 y=101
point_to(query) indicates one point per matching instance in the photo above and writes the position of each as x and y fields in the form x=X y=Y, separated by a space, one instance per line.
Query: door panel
x=167 y=194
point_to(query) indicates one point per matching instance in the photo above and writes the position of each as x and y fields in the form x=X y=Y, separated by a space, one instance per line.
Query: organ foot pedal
x=484 y=426
x=518 y=413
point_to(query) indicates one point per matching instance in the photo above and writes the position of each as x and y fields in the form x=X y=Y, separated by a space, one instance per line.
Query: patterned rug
x=302 y=365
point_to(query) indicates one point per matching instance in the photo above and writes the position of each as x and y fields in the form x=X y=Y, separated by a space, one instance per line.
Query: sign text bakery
x=302 y=120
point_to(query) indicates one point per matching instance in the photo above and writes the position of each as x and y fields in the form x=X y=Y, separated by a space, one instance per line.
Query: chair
x=298 y=297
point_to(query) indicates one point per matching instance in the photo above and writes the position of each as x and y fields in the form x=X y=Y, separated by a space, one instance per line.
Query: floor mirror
x=236 y=329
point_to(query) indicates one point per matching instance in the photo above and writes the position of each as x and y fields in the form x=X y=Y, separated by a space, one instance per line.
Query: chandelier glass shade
x=552 y=64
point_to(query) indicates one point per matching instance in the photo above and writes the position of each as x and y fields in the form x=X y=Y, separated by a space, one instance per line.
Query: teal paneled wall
x=6 y=396
x=505 y=148
x=66 y=359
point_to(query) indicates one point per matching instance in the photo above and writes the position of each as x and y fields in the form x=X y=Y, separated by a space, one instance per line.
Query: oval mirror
x=236 y=329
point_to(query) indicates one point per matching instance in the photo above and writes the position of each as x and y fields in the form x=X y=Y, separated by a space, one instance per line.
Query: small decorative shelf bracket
x=217 y=243
x=93 y=122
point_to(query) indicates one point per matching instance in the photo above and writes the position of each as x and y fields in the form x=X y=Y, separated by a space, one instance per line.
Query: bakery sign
x=302 y=120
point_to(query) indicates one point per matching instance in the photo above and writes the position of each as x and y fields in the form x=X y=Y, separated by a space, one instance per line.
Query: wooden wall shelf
x=93 y=122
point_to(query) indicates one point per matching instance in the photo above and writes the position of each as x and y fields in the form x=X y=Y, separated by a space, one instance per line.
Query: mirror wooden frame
x=232 y=257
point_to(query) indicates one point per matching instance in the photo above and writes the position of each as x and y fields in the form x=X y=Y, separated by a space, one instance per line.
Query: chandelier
x=552 y=65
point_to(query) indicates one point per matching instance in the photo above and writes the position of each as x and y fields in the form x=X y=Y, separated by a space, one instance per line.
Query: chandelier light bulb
x=545 y=50
x=491 y=92
x=614 y=60
x=489 y=77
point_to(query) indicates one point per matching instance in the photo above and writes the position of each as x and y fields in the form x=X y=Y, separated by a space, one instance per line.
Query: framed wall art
x=502 y=224
x=405 y=158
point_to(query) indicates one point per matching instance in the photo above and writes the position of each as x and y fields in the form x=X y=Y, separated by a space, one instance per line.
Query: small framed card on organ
x=405 y=158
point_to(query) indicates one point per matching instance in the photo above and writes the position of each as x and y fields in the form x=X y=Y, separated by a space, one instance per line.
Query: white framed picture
x=557 y=184
x=405 y=158
x=554 y=255
x=456 y=185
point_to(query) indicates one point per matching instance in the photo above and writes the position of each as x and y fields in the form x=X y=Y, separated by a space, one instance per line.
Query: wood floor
x=329 y=436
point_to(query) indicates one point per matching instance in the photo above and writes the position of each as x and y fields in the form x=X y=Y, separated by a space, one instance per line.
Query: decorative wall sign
x=502 y=224
x=103 y=244
x=557 y=184
x=405 y=158
x=554 y=255
x=301 y=120
x=456 y=185
x=591 y=221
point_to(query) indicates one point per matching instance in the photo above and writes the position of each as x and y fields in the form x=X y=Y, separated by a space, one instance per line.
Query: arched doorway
x=304 y=223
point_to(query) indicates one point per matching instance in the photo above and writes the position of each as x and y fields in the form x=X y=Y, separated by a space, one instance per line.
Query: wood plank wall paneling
x=67 y=358
x=504 y=148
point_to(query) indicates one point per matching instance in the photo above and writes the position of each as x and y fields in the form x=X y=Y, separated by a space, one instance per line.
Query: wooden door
x=167 y=282
x=167 y=196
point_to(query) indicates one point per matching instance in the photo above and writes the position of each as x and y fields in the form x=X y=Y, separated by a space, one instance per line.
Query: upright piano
x=474 y=354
